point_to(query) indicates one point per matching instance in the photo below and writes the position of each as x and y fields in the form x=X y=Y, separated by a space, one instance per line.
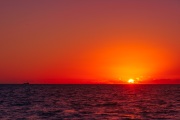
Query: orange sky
x=89 y=41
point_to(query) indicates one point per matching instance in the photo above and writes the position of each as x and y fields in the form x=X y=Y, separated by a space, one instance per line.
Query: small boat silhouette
x=26 y=83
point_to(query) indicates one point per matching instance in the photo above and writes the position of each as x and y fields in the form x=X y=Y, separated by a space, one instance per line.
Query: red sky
x=89 y=41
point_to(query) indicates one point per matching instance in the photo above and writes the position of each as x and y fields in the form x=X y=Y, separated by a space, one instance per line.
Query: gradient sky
x=89 y=41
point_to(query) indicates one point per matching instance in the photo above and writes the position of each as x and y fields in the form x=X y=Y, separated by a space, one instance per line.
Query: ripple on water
x=89 y=102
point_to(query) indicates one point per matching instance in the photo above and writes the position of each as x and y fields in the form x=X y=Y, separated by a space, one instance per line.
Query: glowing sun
x=131 y=81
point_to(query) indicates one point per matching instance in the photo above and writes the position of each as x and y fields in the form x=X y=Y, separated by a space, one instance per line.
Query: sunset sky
x=89 y=41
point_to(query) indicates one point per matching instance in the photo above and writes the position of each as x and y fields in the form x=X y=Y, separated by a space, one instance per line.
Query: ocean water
x=89 y=102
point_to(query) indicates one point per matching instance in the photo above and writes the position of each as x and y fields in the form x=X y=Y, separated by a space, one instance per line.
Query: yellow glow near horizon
x=131 y=81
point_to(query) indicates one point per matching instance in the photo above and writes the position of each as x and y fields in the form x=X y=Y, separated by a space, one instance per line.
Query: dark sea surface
x=90 y=102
